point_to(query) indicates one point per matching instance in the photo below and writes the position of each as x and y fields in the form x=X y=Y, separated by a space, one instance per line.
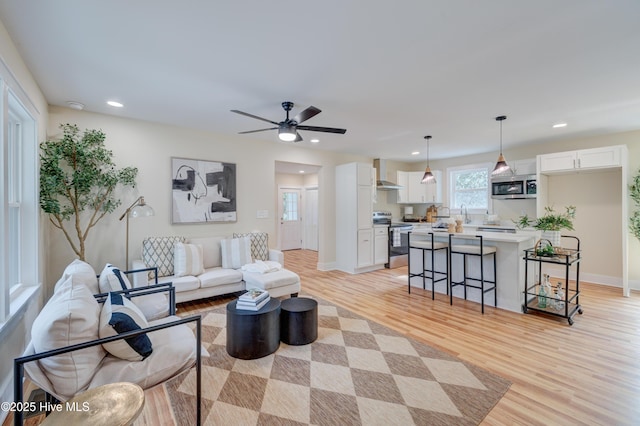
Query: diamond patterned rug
x=357 y=372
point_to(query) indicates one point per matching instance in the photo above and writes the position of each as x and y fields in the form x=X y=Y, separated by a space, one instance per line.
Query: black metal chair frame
x=432 y=271
x=18 y=363
x=466 y=278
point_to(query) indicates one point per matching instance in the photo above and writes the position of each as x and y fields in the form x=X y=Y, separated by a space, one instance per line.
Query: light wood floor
x=588 y=373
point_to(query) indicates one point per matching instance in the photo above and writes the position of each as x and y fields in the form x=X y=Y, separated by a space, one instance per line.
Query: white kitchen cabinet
x=584 y=159
x=416 y=192
x=380 y=244
x=354 y=218
x=365 y=247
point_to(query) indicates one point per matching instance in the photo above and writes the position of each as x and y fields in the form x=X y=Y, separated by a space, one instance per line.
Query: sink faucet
x=466 y=213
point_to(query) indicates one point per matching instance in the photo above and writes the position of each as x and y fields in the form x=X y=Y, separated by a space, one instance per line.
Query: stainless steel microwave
x=514 y=187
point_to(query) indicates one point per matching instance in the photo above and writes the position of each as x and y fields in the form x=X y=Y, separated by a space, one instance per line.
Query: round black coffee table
x=299 y=321
x=253 y=334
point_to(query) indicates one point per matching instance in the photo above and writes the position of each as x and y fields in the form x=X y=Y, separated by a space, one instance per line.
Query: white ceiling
x=390 y=72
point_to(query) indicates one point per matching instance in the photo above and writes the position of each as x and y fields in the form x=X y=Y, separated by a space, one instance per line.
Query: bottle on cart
x=542 y=296
x=549 y=290
x=559 y=297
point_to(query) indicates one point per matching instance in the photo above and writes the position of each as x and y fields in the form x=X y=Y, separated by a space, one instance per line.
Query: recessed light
x=559 y=125
x=75 y=105
x=315 y=140
x=301 y=171
x=115 y=104
x=415 y=153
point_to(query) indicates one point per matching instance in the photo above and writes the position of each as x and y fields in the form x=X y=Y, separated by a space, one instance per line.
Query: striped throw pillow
x=118 y=316
x=188 y=259
x=236 y=252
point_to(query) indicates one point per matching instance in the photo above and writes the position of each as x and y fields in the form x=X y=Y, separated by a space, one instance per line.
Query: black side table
x=299 y=321
x=253 y=334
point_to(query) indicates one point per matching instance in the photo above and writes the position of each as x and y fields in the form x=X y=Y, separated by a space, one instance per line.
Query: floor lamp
x=138 y=209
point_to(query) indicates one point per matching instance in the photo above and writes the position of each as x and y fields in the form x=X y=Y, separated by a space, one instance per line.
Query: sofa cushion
x=183 y=283
x=236 y=252
x=259 y=244
x=219 y=276
x=270 y=280
x=212 y=258
x=118 y=316
x=71 y=316
x=158 y=252
x=187 y=259
x=83 y=272
x=113 y=279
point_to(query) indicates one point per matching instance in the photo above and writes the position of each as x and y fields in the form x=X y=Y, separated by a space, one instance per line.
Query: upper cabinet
x=520 y=167
x=584 y=159
x=415 y=192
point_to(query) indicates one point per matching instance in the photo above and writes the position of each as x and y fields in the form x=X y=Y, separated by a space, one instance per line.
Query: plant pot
x=553 y=236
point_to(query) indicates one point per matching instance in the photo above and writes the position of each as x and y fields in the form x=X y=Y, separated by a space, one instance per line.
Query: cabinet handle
x=578 y=163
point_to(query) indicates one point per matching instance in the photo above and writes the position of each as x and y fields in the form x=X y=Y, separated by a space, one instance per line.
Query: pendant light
x=501 y=165
x=428 y=176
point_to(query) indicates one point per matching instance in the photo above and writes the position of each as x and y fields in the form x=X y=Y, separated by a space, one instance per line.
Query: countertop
x=470 y=231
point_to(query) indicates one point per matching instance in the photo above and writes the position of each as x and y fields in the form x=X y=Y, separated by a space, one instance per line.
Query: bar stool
x=432 y=247
x=473 y=250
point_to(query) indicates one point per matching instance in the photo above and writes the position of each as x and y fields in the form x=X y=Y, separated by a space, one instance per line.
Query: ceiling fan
x=288 y=129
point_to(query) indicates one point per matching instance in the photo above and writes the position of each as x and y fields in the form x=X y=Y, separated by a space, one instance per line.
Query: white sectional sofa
x=210 y=266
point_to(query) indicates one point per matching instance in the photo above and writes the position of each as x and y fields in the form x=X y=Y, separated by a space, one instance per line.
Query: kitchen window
x=469 y=187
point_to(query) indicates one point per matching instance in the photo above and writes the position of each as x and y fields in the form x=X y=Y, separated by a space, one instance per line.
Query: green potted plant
x=77 y=182
x=551 y=223
x=634 y=193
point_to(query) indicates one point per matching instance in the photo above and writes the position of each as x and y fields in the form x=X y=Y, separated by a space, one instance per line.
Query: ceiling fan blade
x=259 y=130
x=306 y=114
x=323 y=129
x=253 y=116
x=298 y=137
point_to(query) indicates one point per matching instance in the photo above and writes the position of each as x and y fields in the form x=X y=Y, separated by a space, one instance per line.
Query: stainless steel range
x=398 y=239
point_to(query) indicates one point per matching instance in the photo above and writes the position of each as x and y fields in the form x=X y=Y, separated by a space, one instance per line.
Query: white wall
x=149 y=147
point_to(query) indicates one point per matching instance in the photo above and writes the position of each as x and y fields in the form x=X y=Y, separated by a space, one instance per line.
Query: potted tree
x=551 y=223
x=77 y=183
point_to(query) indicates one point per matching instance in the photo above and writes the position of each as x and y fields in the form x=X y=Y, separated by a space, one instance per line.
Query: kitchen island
x=510 y=266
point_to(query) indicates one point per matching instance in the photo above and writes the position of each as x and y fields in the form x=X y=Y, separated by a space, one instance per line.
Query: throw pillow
x=187 y=260
x=71 y=316
x=113 y=279
x=235 y=252
x=158 y=251
x=259 y=244
x=82 y=273
x=118 y=316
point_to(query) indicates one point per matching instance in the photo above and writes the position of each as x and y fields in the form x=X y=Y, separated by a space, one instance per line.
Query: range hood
x=381 y=176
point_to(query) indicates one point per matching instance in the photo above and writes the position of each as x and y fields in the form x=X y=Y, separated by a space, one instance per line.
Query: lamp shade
x=428 y=177
x=141 y=211
x=501 y=164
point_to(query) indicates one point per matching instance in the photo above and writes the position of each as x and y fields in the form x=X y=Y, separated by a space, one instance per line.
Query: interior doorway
x=297 y=206
x=290 y=215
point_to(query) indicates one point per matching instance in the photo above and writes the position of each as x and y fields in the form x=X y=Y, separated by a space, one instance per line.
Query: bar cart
x=568 y=303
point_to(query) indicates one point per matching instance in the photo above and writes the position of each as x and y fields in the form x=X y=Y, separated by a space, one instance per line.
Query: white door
x=310 y=220
x=290 y=219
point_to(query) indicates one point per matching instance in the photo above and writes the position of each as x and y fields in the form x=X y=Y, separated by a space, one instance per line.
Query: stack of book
x=253 y=300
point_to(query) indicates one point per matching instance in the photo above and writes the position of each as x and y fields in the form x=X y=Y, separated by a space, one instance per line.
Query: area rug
x=357 y=372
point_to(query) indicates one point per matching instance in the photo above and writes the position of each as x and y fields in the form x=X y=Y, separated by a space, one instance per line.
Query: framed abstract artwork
x=203 y=191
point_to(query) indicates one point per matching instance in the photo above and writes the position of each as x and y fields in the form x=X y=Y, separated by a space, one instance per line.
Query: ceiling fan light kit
x=428 y=176
x=288 y=129
x=501 y=164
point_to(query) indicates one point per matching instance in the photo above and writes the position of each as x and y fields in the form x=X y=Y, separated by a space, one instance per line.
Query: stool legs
x=465 y=278
x=432 y=272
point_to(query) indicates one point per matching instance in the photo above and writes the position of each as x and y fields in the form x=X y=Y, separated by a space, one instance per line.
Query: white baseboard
x=329 y=266
x=594 y=278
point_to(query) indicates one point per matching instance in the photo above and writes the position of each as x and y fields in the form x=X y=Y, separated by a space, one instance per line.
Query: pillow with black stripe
x=113 y=279
x=118 y=316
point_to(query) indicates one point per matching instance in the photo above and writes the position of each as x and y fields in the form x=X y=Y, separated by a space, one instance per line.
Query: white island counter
x=510 y=266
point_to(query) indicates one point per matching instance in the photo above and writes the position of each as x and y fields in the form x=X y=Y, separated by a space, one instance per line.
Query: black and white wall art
x=203 y=191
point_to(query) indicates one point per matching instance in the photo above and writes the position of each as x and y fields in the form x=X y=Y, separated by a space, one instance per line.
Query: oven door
x=398 y=245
